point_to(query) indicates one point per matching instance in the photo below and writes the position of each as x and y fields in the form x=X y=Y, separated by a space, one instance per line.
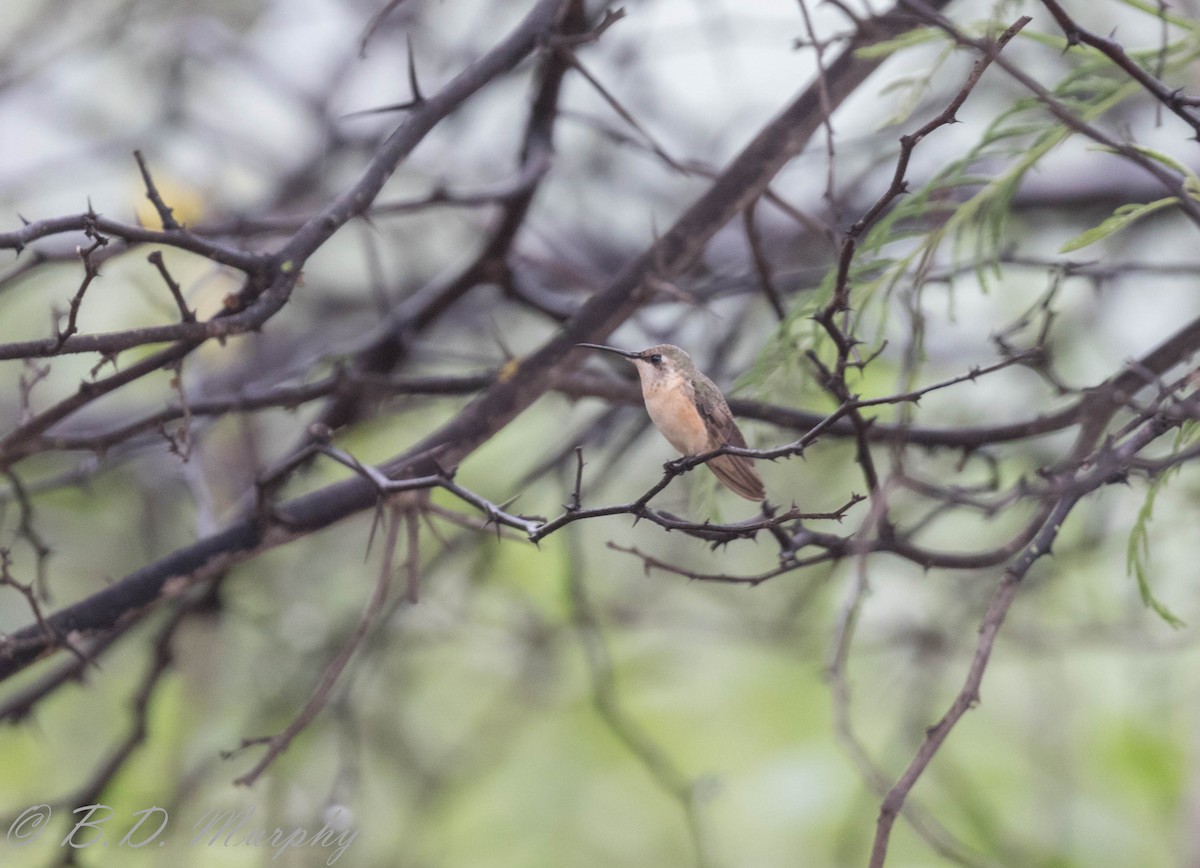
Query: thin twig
x=165 y=214
x=277 y=744
x=185 y=314
x=968 y=696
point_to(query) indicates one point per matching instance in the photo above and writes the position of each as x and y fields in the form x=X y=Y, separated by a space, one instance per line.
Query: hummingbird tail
x=737 y=473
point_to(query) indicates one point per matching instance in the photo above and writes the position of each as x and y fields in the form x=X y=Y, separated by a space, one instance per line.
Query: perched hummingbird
x=689 y=410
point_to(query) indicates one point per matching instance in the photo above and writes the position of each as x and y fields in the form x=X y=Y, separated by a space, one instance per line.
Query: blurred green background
x=565 y=705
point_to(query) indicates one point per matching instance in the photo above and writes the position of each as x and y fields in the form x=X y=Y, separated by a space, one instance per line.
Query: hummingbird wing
x=736 y=472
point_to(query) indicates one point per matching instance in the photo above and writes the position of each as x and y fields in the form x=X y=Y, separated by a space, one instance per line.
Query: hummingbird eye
x=655 y=359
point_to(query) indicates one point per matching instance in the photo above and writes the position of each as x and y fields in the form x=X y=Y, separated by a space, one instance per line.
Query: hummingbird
x=689 y=410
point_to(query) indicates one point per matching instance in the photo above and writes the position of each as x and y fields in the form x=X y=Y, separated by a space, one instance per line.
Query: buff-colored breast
x=672 y=408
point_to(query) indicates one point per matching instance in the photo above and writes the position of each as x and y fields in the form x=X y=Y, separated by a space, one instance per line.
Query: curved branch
x=746 y=177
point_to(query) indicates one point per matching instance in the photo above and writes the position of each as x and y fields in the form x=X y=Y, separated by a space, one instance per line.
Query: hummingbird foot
x=678 y=465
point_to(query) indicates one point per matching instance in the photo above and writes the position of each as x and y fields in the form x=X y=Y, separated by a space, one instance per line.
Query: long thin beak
x=626 y=353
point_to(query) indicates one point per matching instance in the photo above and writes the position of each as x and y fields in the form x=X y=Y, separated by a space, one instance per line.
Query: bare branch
x=277 y=744
x=165 y=214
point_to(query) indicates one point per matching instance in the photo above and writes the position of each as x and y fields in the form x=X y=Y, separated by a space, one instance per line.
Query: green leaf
x=1191 y=186
x=1137 y=555
x=1162 y=12
x=917 y=36
x=1122 y=217
x=1158 y=157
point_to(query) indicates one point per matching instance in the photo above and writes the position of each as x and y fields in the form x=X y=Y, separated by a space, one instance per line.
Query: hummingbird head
x=658 y=365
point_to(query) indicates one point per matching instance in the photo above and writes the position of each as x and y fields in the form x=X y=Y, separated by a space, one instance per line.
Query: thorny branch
x=165 y=214
x=1115 y=423
x=271 y=279
x=1169 y=98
